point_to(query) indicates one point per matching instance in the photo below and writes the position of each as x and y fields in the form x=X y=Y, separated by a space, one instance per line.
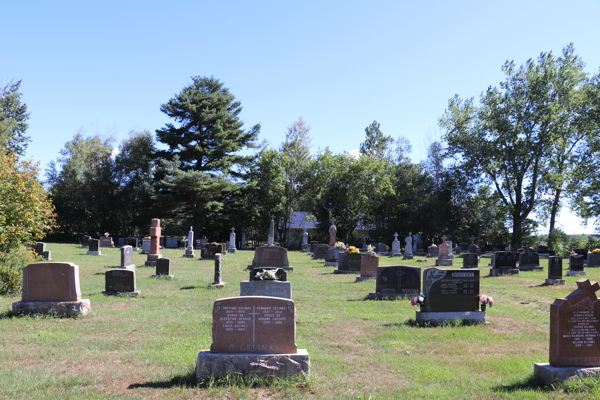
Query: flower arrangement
x=420 y=299
x=596 y=251
x=215 y=243
x=485 y=301
x=340 y=245
x=353 y=250
x=371 y=250
x=572 y=253
x=105 y=233
x=433 y=245
x=267 y=275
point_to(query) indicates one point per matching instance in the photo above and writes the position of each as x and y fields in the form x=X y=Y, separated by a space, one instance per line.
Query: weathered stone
x=252 y=365
x=593 y=260
x=270 y=288
x=154 y=254
x=271 y=256
x=470 y=260
x=120 y=281
x=163 y=268
x=218 y=271
x=127 y=257
x=106 y=241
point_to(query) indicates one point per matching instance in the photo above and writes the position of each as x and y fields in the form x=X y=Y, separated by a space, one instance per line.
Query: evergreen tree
x=376 y=144
x=203 y=158
x=13 y=117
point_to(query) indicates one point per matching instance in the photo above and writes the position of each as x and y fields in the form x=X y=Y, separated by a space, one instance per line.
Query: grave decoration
x=396 y=281
x=120 y=281
x=270 y=282
x=555 y=274
x=253 y=336
x=51 y=287
x=368 y=265
x=270 y=256
x=451 y=294
x=574 y=333
x=154 y=243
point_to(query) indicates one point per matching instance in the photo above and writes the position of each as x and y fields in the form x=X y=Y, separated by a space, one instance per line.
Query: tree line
x=528 y=146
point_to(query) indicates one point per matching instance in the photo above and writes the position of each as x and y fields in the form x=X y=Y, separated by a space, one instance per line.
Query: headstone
x=576 y=264
x=450 y=294
x=313 y=246
x=396 y=251
x=381 y=248
x=445 y=256
x=171 y=242
x=368 y=267
x=473 y=248
x=582 y=252
x=189 y=250
x=464 y=247
x=415 y=238
x=146 y=245
x=530 y=261
x=271 y=237
x=133 y=242
x=210 y=250
x=51 y=287
x=504 y=263
x=397 y=280
x=40 y=248
x=331 y=260
x=127 y=257
x=433 y=251
x=121 y=242
x=246 y=329
x=155 y=232
x=120 y=281
x=420 y=249
x=47 y=255
x=593 y=259
x=574 y=331
x=342 y=257
x=408 y=253
x=85 y=240
x=541 y=249
x=94 y=247
x=321 y=251
x=244 y=243
x=470 y=260
x=555 y=271
x=271 y=256
x=218 y=279
x=332 y=235
x=163 y=268
x=500 y=247
x=232 y=248
x=106 y=241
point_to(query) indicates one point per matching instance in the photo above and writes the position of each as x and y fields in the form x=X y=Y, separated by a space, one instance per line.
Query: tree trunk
x=517 y=235
x=555 y=205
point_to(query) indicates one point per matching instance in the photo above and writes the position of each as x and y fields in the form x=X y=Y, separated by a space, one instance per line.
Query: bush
x=11 y=270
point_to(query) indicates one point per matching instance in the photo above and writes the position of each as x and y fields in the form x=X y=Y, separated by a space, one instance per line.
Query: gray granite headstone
x=127 y=257
x=470 y=260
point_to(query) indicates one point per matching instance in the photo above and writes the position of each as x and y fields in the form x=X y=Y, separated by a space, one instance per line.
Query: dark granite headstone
x=504 y=259
x=450 y=290
x=541 y=249
x=163 y=267
x=555 y=267
x=593 y=259
x=40 y=248
x=93 y=245
x=575 y=328
x=85 y=239
x=270 y=256
x=473 y=248
x=582 y=252
x=279 y=272
x=464 y=247
x=119 y=280
x=321 y=251
x=210 y=251
x=313 y=245
x=576 y=263
x=529 y=259
x=470 y=260
x=398 y=280
x=132 y=241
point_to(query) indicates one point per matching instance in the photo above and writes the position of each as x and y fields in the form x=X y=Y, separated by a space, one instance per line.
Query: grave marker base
x=136 y=293
x=94 y=253
x=445 y=263
x=343 y=271
x=409 y=257
x=163 y=276
x=218 y=285
x=575 y=273
x=478 y=317
x=503 y=271
x=330 y=264
x=252 y=365
x=550 y=374
x=554 y=282
x=82 y=307
x=531 y=268
x=232 y=250
x=251 y=267
x=364 y=278
x=381 y=296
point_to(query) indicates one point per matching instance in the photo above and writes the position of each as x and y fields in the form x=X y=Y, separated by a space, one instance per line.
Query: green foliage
x=376 y=144
x=26 y=212
x=13 y=117
x=508 y=136
x=11 y=269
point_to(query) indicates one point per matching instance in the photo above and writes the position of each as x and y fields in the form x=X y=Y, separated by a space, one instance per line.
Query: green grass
x=146 y=347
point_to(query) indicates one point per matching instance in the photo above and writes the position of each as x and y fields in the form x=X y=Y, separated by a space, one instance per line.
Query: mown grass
x=146 y=347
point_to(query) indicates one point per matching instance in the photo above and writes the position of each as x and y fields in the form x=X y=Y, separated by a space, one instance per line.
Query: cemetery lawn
x=146 y=347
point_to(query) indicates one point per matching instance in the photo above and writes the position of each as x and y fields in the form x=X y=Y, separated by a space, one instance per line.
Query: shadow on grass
x=11 y=315
x=531 y=383
x=99 y=273
x=189 y=380
x=190 y=287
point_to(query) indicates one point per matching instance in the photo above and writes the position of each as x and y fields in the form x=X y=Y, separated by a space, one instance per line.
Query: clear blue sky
x=108 y=66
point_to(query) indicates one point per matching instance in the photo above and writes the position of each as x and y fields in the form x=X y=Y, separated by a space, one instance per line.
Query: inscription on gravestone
x=575 y=328
x=555 y=267
x=270 y=256
x=504 y=259
x=119 y=280
x=127 y=257
x=450 y=290
x=576 y=263
x=254 y=324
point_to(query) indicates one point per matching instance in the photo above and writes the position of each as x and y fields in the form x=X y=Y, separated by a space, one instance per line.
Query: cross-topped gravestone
x=575 y=328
